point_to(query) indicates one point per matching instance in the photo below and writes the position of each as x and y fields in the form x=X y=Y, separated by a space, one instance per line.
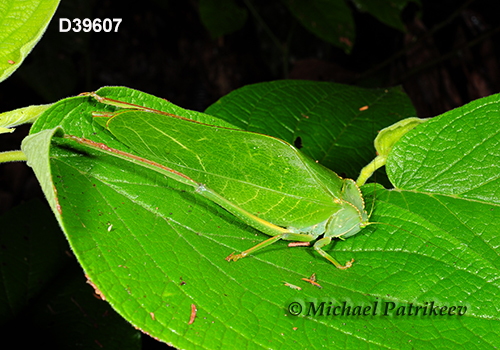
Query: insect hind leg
x=323 y=242
x=288 y=236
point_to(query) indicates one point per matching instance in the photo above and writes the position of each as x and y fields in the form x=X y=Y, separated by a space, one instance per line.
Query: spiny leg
x=299 y=244
x=288 y=236
x=323 y=242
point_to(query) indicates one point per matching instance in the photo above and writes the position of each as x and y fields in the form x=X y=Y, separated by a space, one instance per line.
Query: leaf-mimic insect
x=264 y=181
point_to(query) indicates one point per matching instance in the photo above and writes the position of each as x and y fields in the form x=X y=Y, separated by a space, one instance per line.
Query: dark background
x=448 y=57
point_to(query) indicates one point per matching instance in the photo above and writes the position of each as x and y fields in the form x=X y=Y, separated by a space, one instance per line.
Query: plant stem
x=12 y=156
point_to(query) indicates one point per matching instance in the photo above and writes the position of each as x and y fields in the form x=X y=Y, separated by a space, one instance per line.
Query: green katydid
x=276 y=189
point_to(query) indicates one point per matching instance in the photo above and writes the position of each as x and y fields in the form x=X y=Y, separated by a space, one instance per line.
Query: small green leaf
x=22 y=24
x=330 y=20
x=388 y=12
x=222 y=17
x=384 y=142
x=20 y=116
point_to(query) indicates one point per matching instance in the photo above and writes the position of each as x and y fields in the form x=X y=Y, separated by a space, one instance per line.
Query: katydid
x=262 y=180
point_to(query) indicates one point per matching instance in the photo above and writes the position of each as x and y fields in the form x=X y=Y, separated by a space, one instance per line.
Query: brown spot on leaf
x=193 y=313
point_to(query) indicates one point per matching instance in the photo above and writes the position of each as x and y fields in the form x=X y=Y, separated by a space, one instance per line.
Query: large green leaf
x=22 y=24
x=154 y=248
x=332 y=123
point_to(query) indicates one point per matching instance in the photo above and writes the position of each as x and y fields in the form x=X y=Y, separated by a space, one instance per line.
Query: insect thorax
x=346 y=222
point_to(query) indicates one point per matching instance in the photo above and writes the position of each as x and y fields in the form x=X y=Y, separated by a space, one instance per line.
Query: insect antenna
x=373 y=171
x=374 y=192
x=369 y=223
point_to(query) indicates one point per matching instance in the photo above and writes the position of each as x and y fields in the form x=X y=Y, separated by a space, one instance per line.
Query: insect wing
x=263 y=175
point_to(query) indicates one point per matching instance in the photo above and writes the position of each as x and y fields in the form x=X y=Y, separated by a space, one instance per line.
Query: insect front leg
x=323 y=242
